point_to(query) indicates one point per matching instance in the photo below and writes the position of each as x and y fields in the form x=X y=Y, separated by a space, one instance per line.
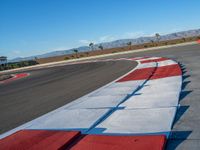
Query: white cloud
x=61 y=48
x=173 y=30
x=107 y=38
x=16 y=52
x=135 y=34
x=86 y=42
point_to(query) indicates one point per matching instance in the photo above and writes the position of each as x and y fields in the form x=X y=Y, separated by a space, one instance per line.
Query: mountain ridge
x=115 y=43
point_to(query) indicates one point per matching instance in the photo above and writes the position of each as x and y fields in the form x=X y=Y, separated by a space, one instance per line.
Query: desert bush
x=66 y=58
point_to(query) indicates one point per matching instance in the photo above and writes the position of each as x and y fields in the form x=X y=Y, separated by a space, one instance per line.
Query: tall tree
x=157 y=35
x=152 y=42
x=91 y=45
x=87 y=53
x=129 y=44
x=76 y=52
x=101 y=47
x=184 y=39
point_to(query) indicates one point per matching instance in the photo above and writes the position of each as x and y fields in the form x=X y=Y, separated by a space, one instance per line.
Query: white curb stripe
x=166 y=63
x=138 y=121
x=99 y=102
x=150 y=58
x=150 y=97
x=80 y=119
x=143 y=112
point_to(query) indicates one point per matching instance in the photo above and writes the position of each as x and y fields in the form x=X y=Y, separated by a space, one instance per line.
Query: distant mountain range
x=116 y=43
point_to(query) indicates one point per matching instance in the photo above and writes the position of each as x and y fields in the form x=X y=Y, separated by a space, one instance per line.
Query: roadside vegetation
x=129 y=46
x=15 y=65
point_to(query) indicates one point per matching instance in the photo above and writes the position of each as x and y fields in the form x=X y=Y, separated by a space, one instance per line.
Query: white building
x=3 y=60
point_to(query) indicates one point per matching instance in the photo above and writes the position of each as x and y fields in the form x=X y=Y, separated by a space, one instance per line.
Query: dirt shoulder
x=115 y=50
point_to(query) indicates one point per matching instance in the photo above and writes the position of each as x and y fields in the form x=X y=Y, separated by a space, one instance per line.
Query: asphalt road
x=29 y=98
x=47 y=89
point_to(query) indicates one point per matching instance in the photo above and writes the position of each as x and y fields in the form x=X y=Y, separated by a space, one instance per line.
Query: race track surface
x=47 y=89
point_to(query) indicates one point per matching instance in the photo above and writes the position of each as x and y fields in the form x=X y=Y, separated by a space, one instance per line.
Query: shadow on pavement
x=181 y=110
x=185 y=83
x=176 y=138
x=183 y=94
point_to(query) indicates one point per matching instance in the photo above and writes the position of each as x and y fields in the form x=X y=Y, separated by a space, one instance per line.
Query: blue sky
x=31 y=27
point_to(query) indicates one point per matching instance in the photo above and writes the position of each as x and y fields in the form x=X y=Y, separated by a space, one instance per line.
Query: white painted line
x=149 y=58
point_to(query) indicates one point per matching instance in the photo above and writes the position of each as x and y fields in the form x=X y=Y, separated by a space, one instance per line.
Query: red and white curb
x=15 y=77
x=135 y=111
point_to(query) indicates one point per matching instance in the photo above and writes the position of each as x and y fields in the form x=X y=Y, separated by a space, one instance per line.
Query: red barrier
x=102 y=142
x=138 y=74
x=38 y=140
x=198 y=41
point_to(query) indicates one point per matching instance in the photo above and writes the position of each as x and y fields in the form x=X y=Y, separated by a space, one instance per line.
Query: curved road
x=47 y=89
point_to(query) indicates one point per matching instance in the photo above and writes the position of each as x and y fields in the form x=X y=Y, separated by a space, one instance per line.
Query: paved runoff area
x=154 y=104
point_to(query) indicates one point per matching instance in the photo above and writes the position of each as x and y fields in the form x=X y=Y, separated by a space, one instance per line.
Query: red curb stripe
x=138 y=74
x=38 y=140
x=103 y=142
x=160 y=72
x=167 y=71
x=51 y=140
x=16 y=77
x=154 y=60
